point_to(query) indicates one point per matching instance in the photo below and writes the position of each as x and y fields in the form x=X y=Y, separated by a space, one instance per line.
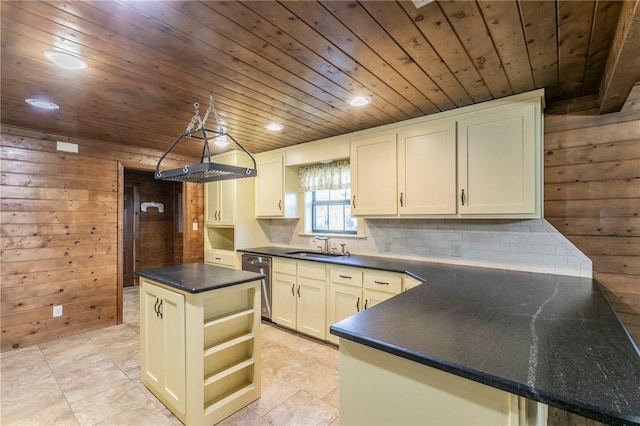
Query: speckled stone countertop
x=198 y=277
x=550 y=338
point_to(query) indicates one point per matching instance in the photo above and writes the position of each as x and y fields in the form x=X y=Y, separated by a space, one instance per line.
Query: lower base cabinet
x=200 y=352
x=352 y=290
x=377 y=388
x=299 y=296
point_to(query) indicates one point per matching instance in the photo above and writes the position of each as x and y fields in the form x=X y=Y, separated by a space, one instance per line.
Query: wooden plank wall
x=592 y=196
x=59 y=233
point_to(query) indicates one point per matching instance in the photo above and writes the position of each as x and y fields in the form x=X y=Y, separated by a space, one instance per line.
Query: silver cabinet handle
x=381 y=282
x=366 y=302
x=358 y=305
x=298 y=291
x=293 y=293
x=354 y=201
x=462 y=197
x=401 y=200
x=279 y=204
x=345 y=276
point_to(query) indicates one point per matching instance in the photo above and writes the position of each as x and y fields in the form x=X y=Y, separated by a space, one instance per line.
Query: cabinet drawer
x=284 y=266
x=382 y=281
x=349 y=276
x=220 y=257
x=313 y=270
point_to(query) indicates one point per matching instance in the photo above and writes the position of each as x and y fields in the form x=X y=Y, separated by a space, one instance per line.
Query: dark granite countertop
x=550 y=338
x=198 y=277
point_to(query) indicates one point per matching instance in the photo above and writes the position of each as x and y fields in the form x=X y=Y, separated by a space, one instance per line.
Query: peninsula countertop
x=551 y=338
x=198 y=277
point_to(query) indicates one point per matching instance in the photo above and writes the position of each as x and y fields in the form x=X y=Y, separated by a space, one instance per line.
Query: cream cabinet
x=283 y=292
x=162 y=329
x=483 y=161
x=200 y=352
x=299 y=296
x=409 y=172
x=378 y=388
x=409 y=282
x=499 y=161
x=220 y=202
x=352 y=290
x=229 y=208
x=427 y=168
x=373 y=174
x=311 y=299
x=276 y=188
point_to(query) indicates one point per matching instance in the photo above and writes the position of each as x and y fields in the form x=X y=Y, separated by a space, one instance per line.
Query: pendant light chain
x=203 y=121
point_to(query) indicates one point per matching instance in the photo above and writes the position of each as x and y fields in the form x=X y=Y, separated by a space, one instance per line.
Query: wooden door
x=128 y=247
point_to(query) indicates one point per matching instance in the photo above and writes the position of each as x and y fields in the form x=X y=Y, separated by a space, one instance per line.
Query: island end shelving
x=200 y=334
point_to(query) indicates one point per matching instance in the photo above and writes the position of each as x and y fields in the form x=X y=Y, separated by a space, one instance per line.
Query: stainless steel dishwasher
x=261 y=265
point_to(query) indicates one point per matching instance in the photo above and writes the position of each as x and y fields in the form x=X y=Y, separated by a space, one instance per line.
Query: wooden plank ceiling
x=299 y=62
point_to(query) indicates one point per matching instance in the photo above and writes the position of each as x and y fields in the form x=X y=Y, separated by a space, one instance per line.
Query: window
x=331 y=212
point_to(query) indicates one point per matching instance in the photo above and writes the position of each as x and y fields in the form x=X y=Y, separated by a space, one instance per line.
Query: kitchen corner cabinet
x=200 y=352
x=276 y=188
x=352 y=290
x=299 y=296
x=499 y=162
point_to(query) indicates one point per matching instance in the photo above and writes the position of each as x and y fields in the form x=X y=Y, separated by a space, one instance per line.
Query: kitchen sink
x=304 y=253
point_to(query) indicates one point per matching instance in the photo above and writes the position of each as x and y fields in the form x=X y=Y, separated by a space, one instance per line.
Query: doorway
x=152 y=224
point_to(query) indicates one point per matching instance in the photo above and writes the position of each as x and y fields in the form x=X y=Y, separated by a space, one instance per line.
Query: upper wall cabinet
x=481 y=162
x=276 y=188
x=409 y=172
x=373 y=174
x=498 y=162
x=427 y=168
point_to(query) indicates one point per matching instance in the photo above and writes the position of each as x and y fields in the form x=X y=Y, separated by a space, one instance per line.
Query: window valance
x=316 y=177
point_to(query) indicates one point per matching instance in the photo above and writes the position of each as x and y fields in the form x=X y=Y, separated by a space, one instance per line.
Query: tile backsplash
x=522 y=245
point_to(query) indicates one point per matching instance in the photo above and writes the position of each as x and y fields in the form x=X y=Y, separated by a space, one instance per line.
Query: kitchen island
x=200 y=337
x=547 y=338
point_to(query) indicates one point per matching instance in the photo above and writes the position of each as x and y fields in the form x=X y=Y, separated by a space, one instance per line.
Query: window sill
x=336 y=236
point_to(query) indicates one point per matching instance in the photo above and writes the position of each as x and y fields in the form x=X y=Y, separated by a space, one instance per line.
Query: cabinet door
x=427 y=169
x=227 y=202
x=311 y=313
x=284 y=300
x=373 y=174
x=270 y=186
x=372 y=297
x=498 y=161
x=163 y=343
x=211 y=202
x=220 y=201
x=344 y=301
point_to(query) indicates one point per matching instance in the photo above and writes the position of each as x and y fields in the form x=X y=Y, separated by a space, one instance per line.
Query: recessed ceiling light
x=65 y=60
x=274 y=126
x=39 y=103
x=220 y=141
x=360 y=101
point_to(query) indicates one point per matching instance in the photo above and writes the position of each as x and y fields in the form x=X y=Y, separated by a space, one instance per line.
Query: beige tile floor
x=94 y=379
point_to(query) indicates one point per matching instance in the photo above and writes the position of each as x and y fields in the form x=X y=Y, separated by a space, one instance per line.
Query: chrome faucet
x=326 y=243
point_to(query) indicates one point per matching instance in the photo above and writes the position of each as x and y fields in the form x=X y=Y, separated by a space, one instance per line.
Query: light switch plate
x=456 y=250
